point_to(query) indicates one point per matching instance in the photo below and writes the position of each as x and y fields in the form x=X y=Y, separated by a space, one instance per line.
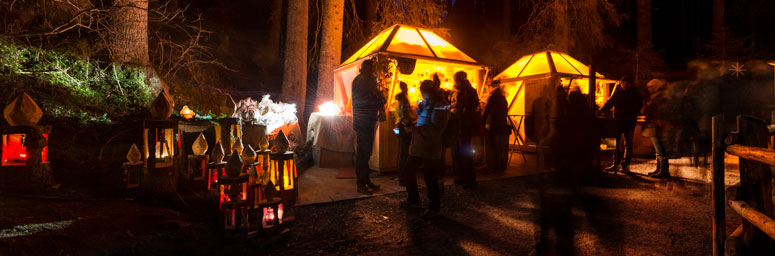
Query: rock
x=200 y=145
x=22 y=111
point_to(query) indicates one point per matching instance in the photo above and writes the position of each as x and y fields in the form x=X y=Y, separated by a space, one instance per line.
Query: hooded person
x=626 y=102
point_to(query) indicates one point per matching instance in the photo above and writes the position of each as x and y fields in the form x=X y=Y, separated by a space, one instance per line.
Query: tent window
x=538 y=65
x=407 y=40
x=563 y=66
x=444 y=49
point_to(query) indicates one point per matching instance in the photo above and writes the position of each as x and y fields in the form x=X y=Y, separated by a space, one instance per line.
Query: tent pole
x=592 y=90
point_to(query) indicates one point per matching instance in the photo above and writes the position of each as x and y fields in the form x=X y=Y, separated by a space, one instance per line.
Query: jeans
x=404 y=140
x=463 y=157
x=431 y=176
x=625 y=130
x=365 y=139
x=497 y=151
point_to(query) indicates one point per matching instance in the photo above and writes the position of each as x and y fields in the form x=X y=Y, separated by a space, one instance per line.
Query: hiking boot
x=410 y=205
x=364 y=190
x=373 y=186
x=430 y=214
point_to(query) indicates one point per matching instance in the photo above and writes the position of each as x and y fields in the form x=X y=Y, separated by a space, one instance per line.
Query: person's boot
x=659 y=163
x=664 y=170
x=613 y=168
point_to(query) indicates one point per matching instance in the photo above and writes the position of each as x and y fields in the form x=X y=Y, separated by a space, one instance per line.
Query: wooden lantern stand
x=28 y=168
x=282 y=171
x=160 y=177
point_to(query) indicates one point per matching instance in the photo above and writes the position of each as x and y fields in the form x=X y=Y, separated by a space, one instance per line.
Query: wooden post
x=758 y=219
x=717 y=192
x=772 y=136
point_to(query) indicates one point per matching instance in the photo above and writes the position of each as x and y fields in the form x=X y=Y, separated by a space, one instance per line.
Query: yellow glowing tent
x=523 y=80
x=412 y=55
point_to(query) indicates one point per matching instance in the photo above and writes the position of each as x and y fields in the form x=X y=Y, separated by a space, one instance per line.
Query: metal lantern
x=282 y=172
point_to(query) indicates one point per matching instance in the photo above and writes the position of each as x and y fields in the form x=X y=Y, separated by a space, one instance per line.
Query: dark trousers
x=497 y=151
x=463 y=157
x=431 y=176
x=404 y=140
x=624 y=130
x=364 y=132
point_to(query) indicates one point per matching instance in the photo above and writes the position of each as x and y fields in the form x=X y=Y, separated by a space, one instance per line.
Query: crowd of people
x=443 y=120
x=561 y=122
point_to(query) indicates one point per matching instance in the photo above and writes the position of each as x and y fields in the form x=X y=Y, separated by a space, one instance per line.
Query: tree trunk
x=370 y=18
x=295 y=65
x=330 y=49
x=644 y=25
x=128 y=38
x=718 y=20
x=275 y=29
x=506 y=18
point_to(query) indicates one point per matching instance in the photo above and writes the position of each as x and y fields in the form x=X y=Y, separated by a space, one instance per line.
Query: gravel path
x=616 y=215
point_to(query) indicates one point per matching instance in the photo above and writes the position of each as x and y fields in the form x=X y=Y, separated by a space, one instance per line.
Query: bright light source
x=186 y=112
x=329 y=108
x=772 y=62
x=412 y=90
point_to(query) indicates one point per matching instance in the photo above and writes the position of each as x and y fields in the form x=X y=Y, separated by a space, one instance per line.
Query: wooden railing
x=754 y=197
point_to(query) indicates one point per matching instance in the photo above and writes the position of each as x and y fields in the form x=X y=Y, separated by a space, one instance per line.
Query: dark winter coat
x=626 y=103
x=496 y=112
x=432 y=118
x=367 y=100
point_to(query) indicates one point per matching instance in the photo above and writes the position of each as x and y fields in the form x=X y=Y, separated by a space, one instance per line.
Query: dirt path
x=618 y=215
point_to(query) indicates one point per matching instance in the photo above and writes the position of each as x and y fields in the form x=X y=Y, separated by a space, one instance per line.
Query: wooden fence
x=754 y=196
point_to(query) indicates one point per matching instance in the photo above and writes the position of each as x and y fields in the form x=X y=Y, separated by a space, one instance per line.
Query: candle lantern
x=133 y=168
x=282 y=173
x=187 y=113
x=24 y=149
x=197 y=162
x=160 y=140
x=233 y=194
x=228 y=132
x=217 y=167
x=271 y=214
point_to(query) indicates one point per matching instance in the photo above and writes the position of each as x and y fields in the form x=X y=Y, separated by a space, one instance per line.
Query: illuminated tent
x=523 y=81
x=411 y=55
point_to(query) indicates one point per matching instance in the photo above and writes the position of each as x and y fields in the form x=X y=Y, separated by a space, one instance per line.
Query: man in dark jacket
x=626 y=102
x=367 y=101
x=465 y=110
x=497 y=132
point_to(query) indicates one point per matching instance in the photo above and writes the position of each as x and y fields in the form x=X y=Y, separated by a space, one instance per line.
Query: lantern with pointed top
x=249 y=155
x=281 y=143
x=263 y=144
x=200 y=145
x=161 y=147
x=24 y=148
x=237 y=146
x=217 y=153
x=22 y=111
x=133 y=156
x=233 y=194
x=162 y=106
x=282 y=173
